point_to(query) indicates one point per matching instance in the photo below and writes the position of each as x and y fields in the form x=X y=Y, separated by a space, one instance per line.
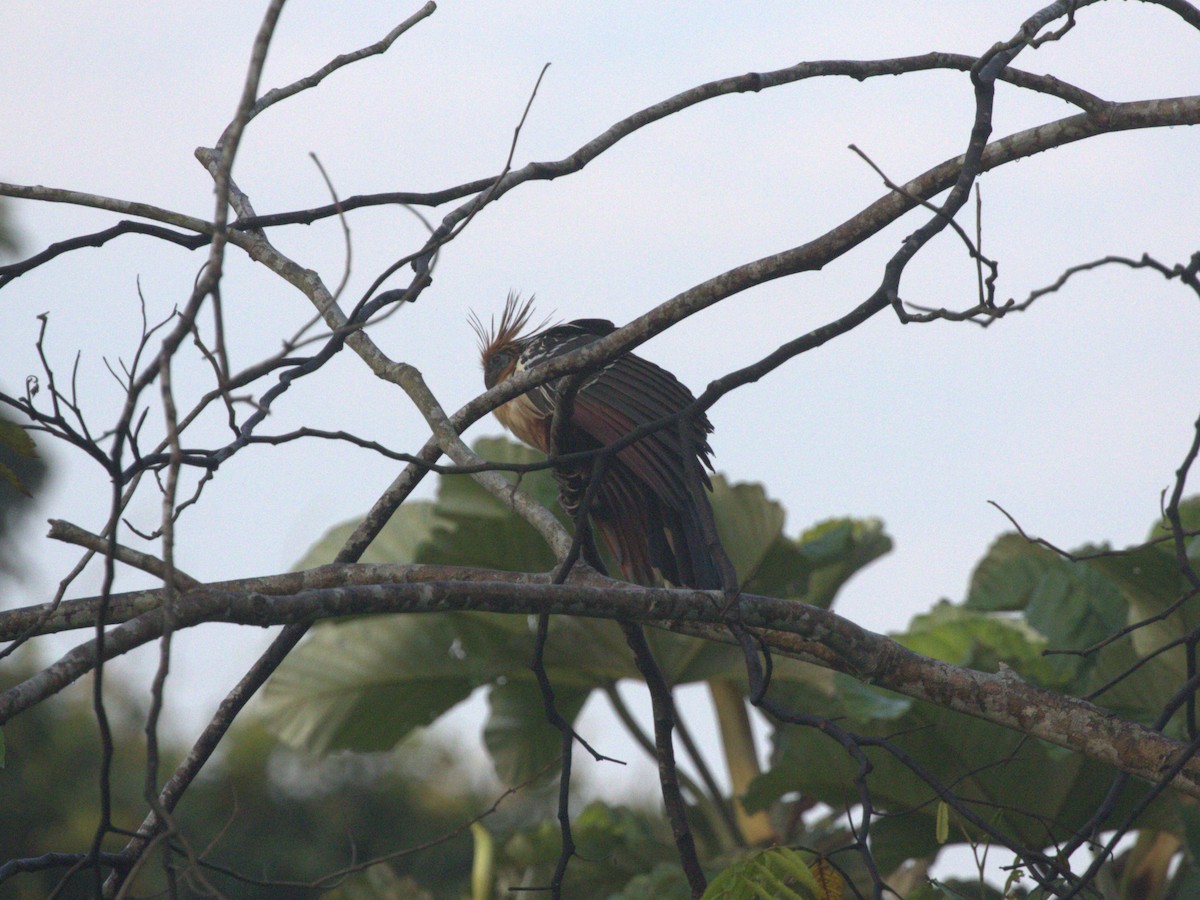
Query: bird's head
x=501 y=343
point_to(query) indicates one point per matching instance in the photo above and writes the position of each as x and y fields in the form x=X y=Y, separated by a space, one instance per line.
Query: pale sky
x=1073 y=416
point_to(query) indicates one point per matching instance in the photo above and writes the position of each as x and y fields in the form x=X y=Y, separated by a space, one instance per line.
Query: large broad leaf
x=964 y=637
x=813 y=567
x=357 y=685
x=835 y=550
x=521 y=742
x=365 y=684
x=1132 y=687
x=586 y=651
x=1078 y=604
x=18 y=446
x=474 y=528
x=1033 y=791
x=465 y=526
x=399 y=542
x=1189 y=518
x=686 y=660
x=1072 y=604
x=1151 y=583
x=461 y=495
x=748 y=523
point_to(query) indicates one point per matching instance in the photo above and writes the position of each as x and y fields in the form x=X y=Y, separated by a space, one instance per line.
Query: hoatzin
x=642 y=508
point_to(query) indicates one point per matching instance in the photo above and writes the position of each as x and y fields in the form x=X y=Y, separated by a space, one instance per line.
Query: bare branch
x=61 y=530
x=273 y=96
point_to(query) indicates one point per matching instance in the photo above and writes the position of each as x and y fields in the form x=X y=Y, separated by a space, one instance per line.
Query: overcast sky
x=1072 y=416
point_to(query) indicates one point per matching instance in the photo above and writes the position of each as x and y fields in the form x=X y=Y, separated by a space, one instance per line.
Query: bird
x=643 y=509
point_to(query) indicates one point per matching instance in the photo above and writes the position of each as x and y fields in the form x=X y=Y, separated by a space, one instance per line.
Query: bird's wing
x=644 y=510
x=624 y=395
x=629 y=393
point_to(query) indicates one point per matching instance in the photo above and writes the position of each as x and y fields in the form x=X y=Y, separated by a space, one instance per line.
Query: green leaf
x=635 y=857
x=665 y=881
x=813 y=567
x=748 y=523
x=9 y=477
x=896 y=839
x=1189 y=518
x=1150 y=582
x=474 y=528
x=1027 y=782
x=779 y=873
x=1072 y=604
x=1078 y=604
x=399 y=542
x=685 y=660
x=827 y=763
x=1137 y=693
x=836 y=549
x=584 y=652
x=536 y=846
x=359 y=695
x=926 y=891
x=465 y=526
x=366 y=683
x=1189 y=815
x=942 y=833
x=783 y=572
x=961 y=636
x=866 y=703
x=461 y=495
x=15 y=438
x=20 y=467
x=518 y=737
x=602 y=830
x=1037 y=793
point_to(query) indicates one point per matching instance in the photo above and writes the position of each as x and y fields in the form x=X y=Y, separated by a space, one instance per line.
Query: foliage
x=262 y=812
x=366 y=684
x=778 y=872
x=9 y=239
x=21 y=473
x=371 y=683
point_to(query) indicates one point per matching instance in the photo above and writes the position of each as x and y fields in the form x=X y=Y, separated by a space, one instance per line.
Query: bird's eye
x=502 y=357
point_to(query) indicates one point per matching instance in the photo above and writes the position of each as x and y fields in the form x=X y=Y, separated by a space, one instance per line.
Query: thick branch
x=788 y=627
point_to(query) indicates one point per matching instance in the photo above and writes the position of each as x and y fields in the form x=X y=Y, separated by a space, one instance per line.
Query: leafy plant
x=365 y=684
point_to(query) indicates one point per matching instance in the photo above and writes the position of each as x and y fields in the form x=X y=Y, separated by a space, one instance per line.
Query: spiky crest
x=516 y=316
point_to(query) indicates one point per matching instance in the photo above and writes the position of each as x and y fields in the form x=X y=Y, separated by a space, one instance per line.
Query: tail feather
x=643 y=533
x=694 y=558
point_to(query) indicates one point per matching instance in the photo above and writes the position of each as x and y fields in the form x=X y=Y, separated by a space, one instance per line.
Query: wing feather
x=644 y=511
x=629 y=394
